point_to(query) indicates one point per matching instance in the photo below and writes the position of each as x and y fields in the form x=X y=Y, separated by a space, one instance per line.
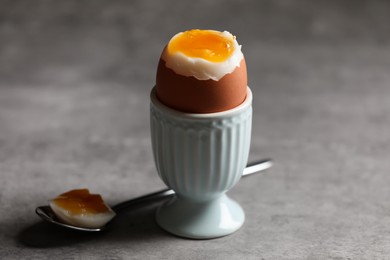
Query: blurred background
x=75 y=78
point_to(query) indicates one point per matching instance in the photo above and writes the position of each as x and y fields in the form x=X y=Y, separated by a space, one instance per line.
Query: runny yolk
x=206 y=44
x=81 y=202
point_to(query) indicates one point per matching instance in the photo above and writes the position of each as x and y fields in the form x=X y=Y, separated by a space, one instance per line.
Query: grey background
x=75 y=78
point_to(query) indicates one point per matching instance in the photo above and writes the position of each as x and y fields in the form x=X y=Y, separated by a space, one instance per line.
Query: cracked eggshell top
x=202 y=71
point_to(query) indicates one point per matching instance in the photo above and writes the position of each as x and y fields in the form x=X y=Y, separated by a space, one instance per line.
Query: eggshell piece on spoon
x=82 y=209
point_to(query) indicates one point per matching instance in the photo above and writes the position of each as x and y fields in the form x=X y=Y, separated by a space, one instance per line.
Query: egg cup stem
x=200 y=157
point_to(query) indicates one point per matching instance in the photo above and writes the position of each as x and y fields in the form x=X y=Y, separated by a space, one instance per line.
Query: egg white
x=200 y=68
x=82 y=220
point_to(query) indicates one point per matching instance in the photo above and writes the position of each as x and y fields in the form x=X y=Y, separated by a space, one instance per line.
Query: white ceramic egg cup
x=200 y=157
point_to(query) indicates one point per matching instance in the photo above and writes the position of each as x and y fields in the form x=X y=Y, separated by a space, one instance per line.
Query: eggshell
x=191 y=95
x=81 y=208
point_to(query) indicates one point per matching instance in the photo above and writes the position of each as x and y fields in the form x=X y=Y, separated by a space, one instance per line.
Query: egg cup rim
x=226 y=113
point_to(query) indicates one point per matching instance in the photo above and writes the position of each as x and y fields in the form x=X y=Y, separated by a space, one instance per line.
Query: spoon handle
x=250 y=169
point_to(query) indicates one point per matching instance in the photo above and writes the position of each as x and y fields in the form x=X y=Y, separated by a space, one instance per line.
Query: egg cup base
x=200 y=220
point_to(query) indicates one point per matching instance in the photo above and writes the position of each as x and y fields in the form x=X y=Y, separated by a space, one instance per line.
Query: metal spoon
x=46 y=213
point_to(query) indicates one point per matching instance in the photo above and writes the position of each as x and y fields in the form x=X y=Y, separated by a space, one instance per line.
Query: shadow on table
x=133 y=224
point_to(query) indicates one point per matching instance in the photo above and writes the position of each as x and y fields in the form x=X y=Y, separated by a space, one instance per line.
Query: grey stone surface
x=75 y=78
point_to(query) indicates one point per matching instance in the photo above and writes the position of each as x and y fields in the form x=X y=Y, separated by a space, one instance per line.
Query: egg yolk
x=81 y=202
x=206 y=44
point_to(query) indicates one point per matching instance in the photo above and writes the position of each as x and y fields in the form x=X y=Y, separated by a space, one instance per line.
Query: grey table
x=75 y=78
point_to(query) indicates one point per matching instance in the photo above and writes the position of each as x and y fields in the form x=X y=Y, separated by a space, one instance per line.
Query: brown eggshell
x=191 y=95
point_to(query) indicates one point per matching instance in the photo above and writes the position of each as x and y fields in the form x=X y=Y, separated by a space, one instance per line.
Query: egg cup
x=200 y=157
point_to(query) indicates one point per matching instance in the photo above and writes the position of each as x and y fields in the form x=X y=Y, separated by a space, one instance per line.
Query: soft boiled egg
x=202 y=71
x=82 y=209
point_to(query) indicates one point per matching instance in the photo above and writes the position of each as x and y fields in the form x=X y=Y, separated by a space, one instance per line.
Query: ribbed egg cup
x=200 y=157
